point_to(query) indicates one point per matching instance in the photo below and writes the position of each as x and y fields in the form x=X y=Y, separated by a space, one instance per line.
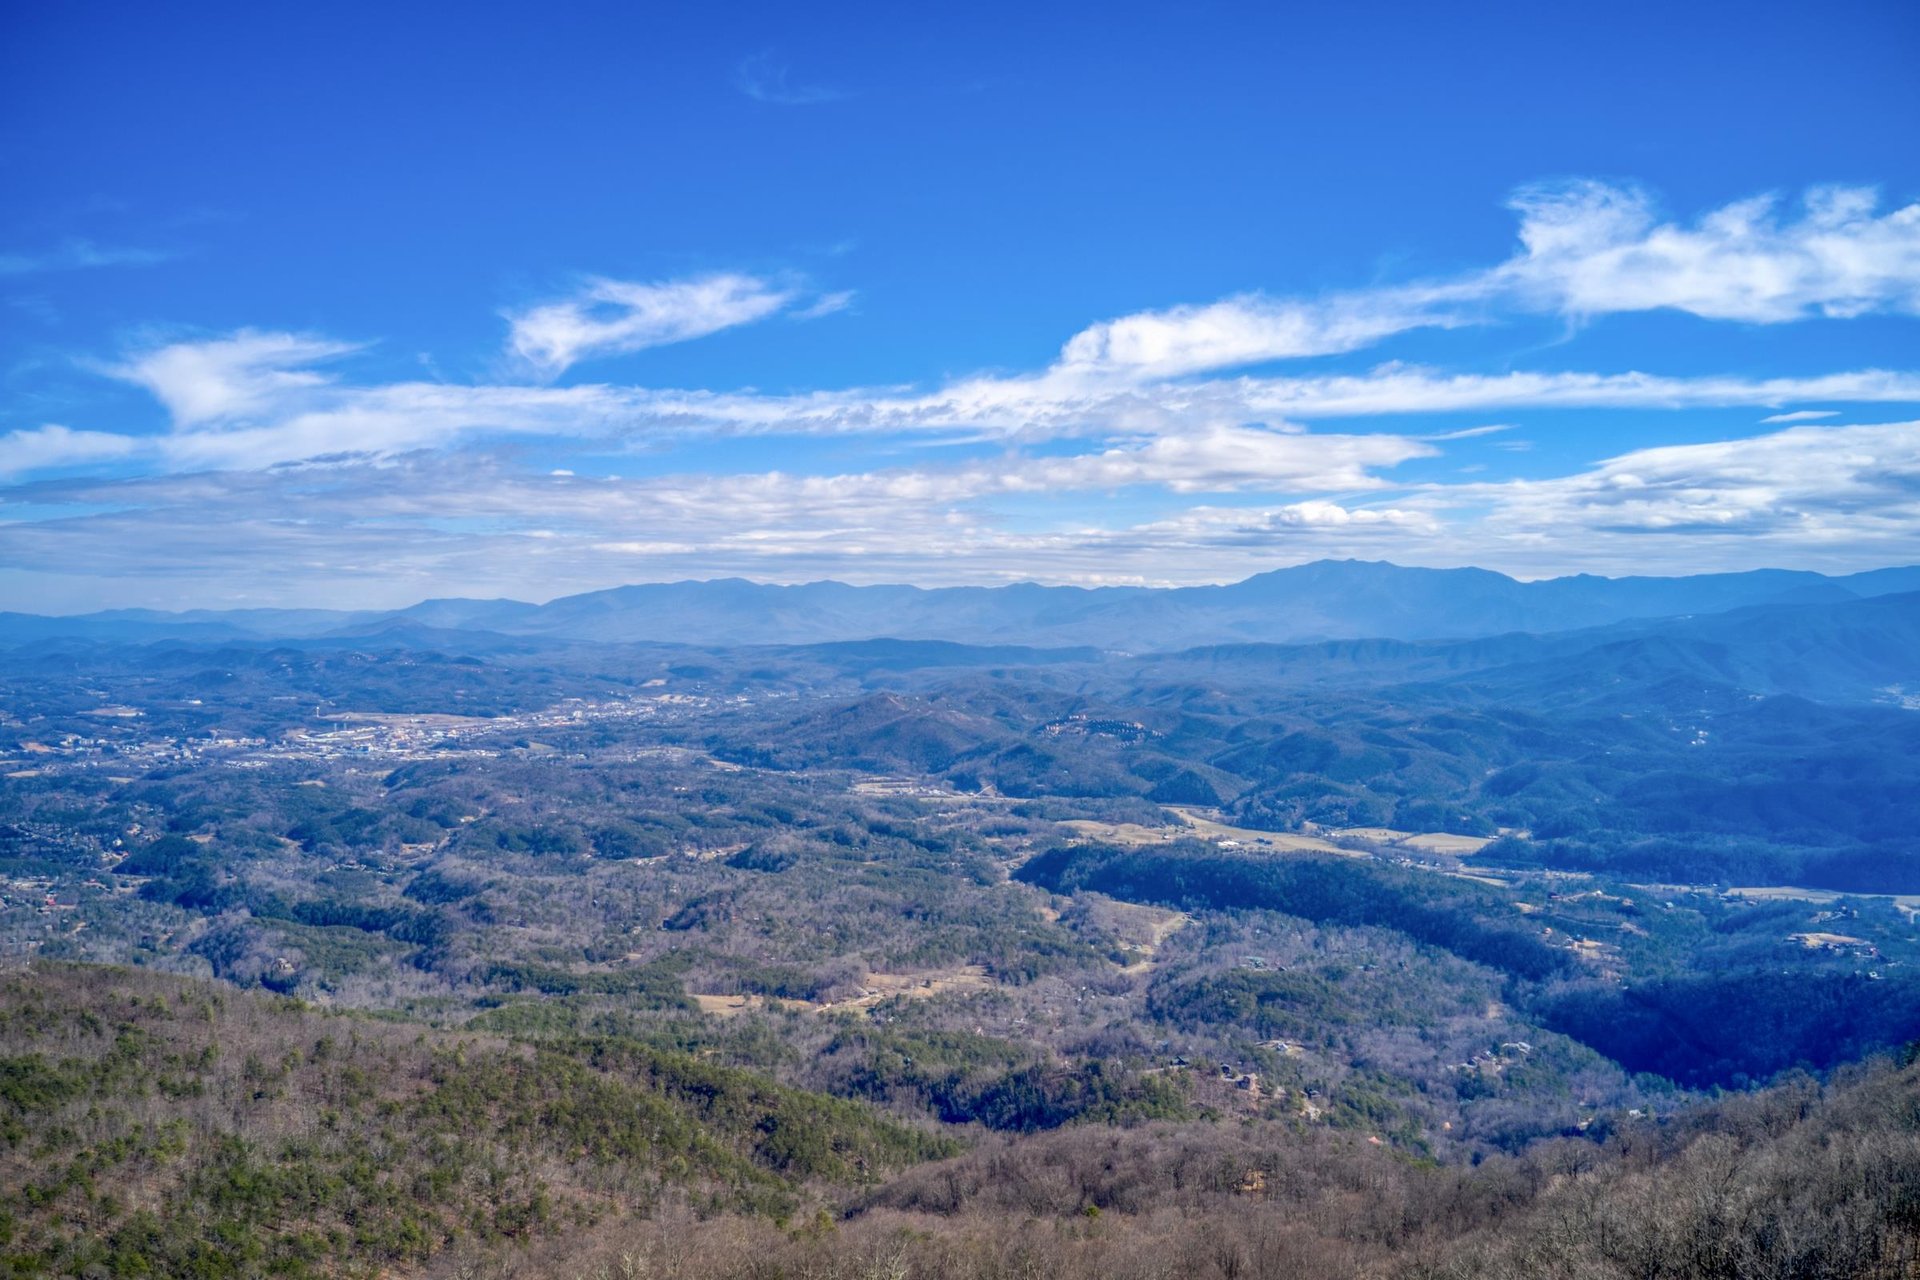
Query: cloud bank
x=1153 y=447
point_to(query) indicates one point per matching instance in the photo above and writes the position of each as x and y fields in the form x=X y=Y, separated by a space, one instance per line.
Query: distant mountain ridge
x=1850 y=649
x=1323 y=600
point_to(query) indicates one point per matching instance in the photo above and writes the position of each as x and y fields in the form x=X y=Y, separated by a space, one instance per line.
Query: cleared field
x=404 y=720
x=1774 y=893
x=1161 y=925
x=1419 y=841
x=1126 y=833
x=925 y=790
x=1813 y=941
x=1908 y=904
x=1206 y=824
x=734 y=1006
x=916 y=986
x=877 y=988
x=1195 y=825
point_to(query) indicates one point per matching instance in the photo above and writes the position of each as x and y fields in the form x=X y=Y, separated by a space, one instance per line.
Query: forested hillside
x=159 y=1127
x=150 y=1126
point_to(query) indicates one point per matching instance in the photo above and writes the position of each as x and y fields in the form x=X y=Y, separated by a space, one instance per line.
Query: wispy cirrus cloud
x=1473 y=433
x=81 y=255
x=766 y=77
x=258 y=399
x=51 y=446
x=825 y=305
x=1253 y=329
x=1586 y=249
x=1150 y=374
x=246 y=373
x=1059 y=404
x=618 y=317
x=1148 y=449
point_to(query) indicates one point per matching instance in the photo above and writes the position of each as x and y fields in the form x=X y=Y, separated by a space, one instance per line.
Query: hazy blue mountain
x=1842 y=650
x=455 y=613
x=1325 y=600
x=140 y=625
x=1849 y=651
x=912 y=655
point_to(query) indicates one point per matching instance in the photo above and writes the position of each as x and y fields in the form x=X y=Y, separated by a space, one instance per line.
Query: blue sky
x=353 y=305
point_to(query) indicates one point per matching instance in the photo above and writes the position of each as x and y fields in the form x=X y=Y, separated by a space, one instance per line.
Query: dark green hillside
x=1728 y=1029
x=1448 y=914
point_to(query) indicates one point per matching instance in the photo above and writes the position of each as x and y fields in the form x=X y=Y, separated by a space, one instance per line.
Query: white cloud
x=256 y=399
x=395 y=418
x=1831 y=497
x=1211 y=462
x=616 y=317
x=1587 y=249
x=1248 y=330
x=1224 y=459
x=253 y=399
x=1590 y=248
x=247 y=373
x=294 y=469
x=1841 y=498
x=1239 y=525
x=1060 y=404
x=1400 y=389
x=1795 y=492
x=42 y=448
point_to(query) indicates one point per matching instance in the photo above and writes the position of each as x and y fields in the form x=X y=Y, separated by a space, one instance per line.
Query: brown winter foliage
x=150 y=1125
x=1800 y=1180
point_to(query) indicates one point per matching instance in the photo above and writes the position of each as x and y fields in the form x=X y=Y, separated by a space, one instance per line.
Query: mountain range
x=1324 y=600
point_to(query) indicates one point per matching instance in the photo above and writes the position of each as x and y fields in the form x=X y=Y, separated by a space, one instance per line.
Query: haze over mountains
x=1324 y=600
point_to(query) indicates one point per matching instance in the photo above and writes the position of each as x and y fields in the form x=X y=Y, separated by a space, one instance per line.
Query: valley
x=939 y=905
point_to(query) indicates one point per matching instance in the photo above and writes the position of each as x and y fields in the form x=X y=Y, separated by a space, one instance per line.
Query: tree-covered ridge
x=1733 y=1017
x=154 y=1126
x=1456 y=917
x=150 y=1126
